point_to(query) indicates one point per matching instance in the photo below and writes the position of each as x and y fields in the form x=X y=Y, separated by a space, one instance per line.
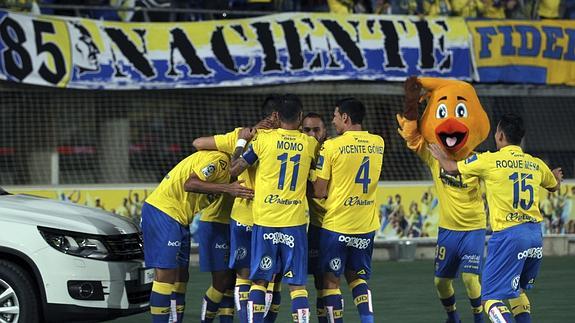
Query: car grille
x=125 y=247
x=138 y=294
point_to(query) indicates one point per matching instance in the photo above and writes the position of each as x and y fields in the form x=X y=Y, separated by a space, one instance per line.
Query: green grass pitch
x=404 y=292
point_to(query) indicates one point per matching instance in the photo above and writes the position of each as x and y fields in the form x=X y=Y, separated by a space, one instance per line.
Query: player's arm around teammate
x=512 y=180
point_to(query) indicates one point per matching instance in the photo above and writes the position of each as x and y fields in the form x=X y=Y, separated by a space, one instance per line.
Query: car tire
x=23 y=294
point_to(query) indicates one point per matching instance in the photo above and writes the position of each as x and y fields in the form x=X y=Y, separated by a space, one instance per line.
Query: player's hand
x=558 y=173
x=412 y=88
x=247 y=133
x=266 y=123
x=437 y=152
x=236 y=189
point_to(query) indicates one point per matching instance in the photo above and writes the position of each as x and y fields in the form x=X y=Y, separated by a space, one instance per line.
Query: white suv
x=62 y=262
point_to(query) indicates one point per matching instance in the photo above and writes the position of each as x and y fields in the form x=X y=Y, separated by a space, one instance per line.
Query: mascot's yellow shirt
x=460 y=202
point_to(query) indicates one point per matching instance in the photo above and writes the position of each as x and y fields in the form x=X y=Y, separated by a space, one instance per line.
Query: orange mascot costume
x=454 y=119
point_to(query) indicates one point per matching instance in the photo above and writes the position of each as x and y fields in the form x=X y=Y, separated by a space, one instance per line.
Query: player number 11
x=284 y=158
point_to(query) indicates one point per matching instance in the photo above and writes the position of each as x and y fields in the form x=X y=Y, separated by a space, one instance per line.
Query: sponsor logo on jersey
x=222 y=246
x=289 y=274
x=241 y=253
x=266 y=263
x=319 y=164
x=474 y=259
x=335 y=264
x=280 y=237
x=356 y=201
x=531 y=253
x=450 y=180
x=515 y=282
x=248 y=228
x=471 y=159
x=209 y=170
x=276 y=199
x=354 y=242
x=223 y=164
x=174 y=243
x=520 y=218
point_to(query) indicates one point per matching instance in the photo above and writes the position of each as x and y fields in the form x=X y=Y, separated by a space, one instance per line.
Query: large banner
x=514 y=51
x=89 y=54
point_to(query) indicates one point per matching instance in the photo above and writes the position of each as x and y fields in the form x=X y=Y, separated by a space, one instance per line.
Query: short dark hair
x=290 y=108
x=353 y=108
x=512 y=126
x=270 y=105
x=313 y=115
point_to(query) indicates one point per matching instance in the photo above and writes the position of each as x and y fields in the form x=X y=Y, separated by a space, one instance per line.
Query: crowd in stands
x=219 y=9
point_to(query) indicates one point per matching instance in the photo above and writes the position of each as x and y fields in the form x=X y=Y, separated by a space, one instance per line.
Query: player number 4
x=362 y=176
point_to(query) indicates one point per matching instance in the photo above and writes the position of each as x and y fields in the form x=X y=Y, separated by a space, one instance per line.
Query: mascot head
x=453 y=117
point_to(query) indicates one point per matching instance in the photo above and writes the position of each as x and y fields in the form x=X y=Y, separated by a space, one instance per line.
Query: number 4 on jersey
x=362 y=176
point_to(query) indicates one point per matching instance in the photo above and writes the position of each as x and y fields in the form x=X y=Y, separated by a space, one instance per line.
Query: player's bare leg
x=222 y=283
x=361 y=296
x=332 y=298
x=473 y=287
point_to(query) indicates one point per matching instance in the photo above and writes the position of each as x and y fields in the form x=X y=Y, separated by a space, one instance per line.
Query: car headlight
x=75 y=243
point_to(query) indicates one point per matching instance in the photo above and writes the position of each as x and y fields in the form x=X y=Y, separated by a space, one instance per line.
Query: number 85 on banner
x=32 y=48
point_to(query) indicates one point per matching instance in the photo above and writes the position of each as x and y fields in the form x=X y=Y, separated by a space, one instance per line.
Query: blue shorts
x=313 y=250
x=214 y=240
x=513 y=260
x=166 y=241
x=241 y=245
x=459 y=251
x=279 y=250
x=341 y=252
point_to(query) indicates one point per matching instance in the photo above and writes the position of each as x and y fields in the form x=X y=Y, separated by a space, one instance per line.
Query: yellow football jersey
x=512 y=180
x=460 y=203
x=219 y=209
x=242 y=208
x=352 y=164
x=170 y=197
x=285 y=158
